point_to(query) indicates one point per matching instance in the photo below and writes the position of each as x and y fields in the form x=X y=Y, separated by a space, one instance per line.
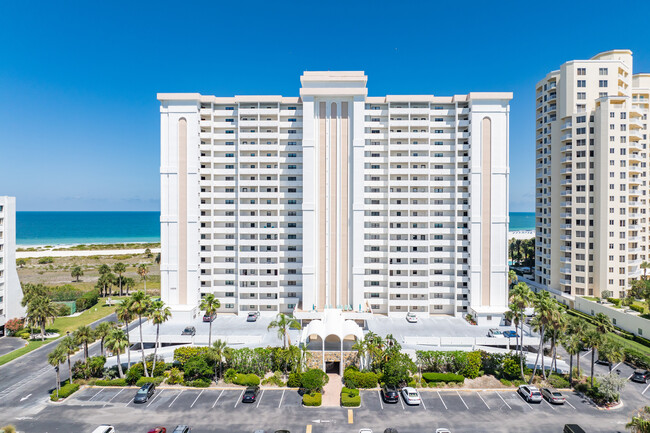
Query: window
x=582 y=95
x=582 y=71
x=602 y=71
x=582 y=83
x=602 y=83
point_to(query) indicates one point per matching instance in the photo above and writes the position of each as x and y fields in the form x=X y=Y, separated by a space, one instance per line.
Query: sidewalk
x=332 y=391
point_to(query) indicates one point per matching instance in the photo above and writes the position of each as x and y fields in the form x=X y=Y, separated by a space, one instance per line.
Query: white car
x=365 y=430
x=411 y=318
x=443 y=430
x=104 y=428
x=410 y=396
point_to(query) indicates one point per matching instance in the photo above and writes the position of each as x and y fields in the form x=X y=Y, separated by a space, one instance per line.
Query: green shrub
x=356 y=379
x=87 y=300
x=134 y=373
x=472 y=365
x=174 y=376
x=246 y=379
x=295 y=380
x=229 y=375
x=412 y=383
x=197 y=368
x=313 y=399
x=350 y=397
x=615 y=301
x=636 y=358
x=276 y=380
x=199 y=383
x=443 y=377
x=183 y=354
x=143 y=380
x=65 y=391
x=113 y=382
x=506 y=382
x=45 y=260
x=558 y=381
x=314 y=380
x=582 y=387
x=637 y=308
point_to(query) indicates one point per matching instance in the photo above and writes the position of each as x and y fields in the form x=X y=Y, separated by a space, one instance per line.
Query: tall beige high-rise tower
x=592 y=175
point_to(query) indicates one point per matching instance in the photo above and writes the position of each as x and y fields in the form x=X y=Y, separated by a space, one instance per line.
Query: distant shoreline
x=521 y=234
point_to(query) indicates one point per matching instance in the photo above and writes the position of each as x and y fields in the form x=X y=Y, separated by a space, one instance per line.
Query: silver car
x=530 y=393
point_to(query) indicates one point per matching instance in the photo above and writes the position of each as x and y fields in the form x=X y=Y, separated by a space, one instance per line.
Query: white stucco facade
x=11 y=293
x=335 y=199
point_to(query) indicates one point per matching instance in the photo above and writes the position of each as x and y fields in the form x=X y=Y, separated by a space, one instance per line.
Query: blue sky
x=79 y=122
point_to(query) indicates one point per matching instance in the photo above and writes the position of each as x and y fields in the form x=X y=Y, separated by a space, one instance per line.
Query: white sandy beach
x=521 y=234
x=80 y=253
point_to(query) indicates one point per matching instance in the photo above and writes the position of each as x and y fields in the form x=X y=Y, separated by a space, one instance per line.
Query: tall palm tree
x=284 y=323
x=556 y=329
x=125 y=315
x=521 y=297
x=577 y=327
x=143 y=271
x=361 y=347
x=545 y=309
x=82 y=336
x=141 y=305
x=305 y=354
x=129 y=283
x=210 y=304
x=41 y=310
x=217 y=352
x=572 y=344
x=55 y=358
x=611 y=351
x=645 y=265
x=116 y=342
x=77 y=272
x=603 y=324
x=104 y=269
x=101 y=331
x=593 y=339
x=512 y=278
x=69 y=347
x=119 y=268
x=158 y=314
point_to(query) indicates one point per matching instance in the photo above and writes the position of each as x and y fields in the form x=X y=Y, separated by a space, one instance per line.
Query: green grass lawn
x=100 y=310
x=32 y=345
x=591 y=298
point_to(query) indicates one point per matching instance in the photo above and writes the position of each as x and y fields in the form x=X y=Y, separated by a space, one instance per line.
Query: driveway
x=9 y=344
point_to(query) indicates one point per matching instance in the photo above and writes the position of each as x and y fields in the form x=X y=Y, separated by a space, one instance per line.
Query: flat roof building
x=388 y=205
x=11 y=293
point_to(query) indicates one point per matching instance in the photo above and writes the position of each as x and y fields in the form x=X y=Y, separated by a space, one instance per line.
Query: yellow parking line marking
x=350 y=416
x=308 y=428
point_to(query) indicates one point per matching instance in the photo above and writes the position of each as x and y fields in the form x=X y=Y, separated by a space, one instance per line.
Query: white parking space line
x=586 y=353
x=401 y=400
x=239 y=398
x=549 y=404
x=215 y=402
x=91 y=398
x=113 y=397
x=524 y=400
x=280 y=404
x=381 y=403
x=567 y=402
x=443 y=402
x=179 y=394
x=422 y=401
x=646 y=388
x=614 y=367
x=154 y=399
x=484 y=402
x=197 y=397
x=461 y=399
x=260 y=400
x=499 y=394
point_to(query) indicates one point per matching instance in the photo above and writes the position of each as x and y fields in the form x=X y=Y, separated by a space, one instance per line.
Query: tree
x=55 y=358
x=141 y=305
x=40 y=311
x=69 y=347
x=147 y=252
x=158 y=314
x=31 y=292
x=21 y=262
x=77 y=272
x=520 y=298
x=157 y=259
x=611 y=385
x=143 y=271
x=611 y=351
x=104 y=282
x=545 y=310
x=640 y=422
x=104 y=269
x=102 y=331
x=606 y=294
x=572 y=344
x=645 y=265
x=360 y=347
x=284 y=323
x=314 y=380
x=125 y=315
x=396 y=369
x=593 y=339
x=578 y=328
x=116 y=342
x=129 y=283
x=512 y=278
x=217 y=353
x=556 y=329
x=82 y=336
x=119 y=268
x=210 y=304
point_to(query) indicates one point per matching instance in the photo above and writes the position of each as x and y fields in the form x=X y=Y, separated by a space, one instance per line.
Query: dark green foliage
x=113 y=382
x=143 y=380
x=313 y=399
x=87 y=300
x=93 y=367
x=472 y=366
x=230 y=375
x=295 y=380
x=558 y=381
x=65 y=391
x=199 y=383
x=397 y=368
x=350 y=397
x=134 y=373
x=197 y=368
x=443 y=377
x=314 y=380
x=184 y=354
x=356 y=379
x=246 y=379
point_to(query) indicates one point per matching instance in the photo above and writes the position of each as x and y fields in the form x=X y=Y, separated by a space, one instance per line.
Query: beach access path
x=80 y=253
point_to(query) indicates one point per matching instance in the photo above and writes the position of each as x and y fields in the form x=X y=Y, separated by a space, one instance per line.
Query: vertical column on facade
x=333 y=211
x=322 y=205
x=345 y=200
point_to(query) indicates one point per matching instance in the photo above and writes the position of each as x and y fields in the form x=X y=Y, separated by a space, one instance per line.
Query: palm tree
x=555 y=331
x=210 y=304
x=159 y=314
x=284 y=323
x=593 y=339
x=129 y=283
x=101 y=331
x=645 y=266
x=577 y=327
x=361 y=347
x=143 y=271
x=116 y=342
x=603 y=324
x=612 y=351
x=572 y=344
x=512 y=278
x=521 y=297
x=119 y=268
x=125 y=315
x=82 y=336
x=157 y=259
x=41 y=310
x=104 y=269
x=69 y=347
x=305 y=354
x=141 y=305
x=77 y=272
x=545 y=309
x=217 y=352
x=55 y=358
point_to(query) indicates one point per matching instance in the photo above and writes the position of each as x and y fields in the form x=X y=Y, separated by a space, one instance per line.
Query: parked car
x=182 y=429
x=530 y=393
x=144 y=393
x=410 y=395
x=365 y=430
x=510 y=334
x=573 y=428
x=389 y=394
x=640 y=376
x=411 y=318
x=494 y=332
x=158 y=430
x=209 y=318
x=602 y=361
x=553 y=396
x=443 y=430
x=250 y=395
x=252 y=317
x=104 y=428
x=189 y=330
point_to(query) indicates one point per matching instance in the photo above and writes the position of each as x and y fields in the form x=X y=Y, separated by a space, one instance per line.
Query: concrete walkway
x=332 y=391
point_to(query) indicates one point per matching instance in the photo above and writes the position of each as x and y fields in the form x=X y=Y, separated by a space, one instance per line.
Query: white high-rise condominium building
x=10 y=291
x=592 y=175
x=388 y=204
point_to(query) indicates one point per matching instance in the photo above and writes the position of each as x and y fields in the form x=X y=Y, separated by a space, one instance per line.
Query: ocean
x=64 y=228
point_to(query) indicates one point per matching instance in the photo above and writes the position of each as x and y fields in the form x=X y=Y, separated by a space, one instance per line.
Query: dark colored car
x=252 y=317
x=250 y=395
x=389 y=394
x=182 y=429
x=573 y=428
x=190 y=330
x=510 y=334
x=209 y=318
x=144 y=393
x=158 y=430
x=640 y=376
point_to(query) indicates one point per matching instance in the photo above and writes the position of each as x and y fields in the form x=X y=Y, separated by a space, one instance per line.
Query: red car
x=158 y=430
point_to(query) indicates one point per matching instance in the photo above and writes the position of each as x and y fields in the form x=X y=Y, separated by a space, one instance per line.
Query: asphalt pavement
x=9 y=344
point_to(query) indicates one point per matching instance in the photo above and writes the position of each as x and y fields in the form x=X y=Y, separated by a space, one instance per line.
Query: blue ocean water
x=56 y=228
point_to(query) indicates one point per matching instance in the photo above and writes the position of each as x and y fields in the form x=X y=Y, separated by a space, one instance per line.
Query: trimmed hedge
x=314 y=399
x=636 y=358
x=65 y=391
x=155 y=380
x=246 y=379
x=443 y=377
x=358 y=379
x=199 y=383
x=114 y=382
x=350 y=397
x=637 y=308
x=87 y=300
